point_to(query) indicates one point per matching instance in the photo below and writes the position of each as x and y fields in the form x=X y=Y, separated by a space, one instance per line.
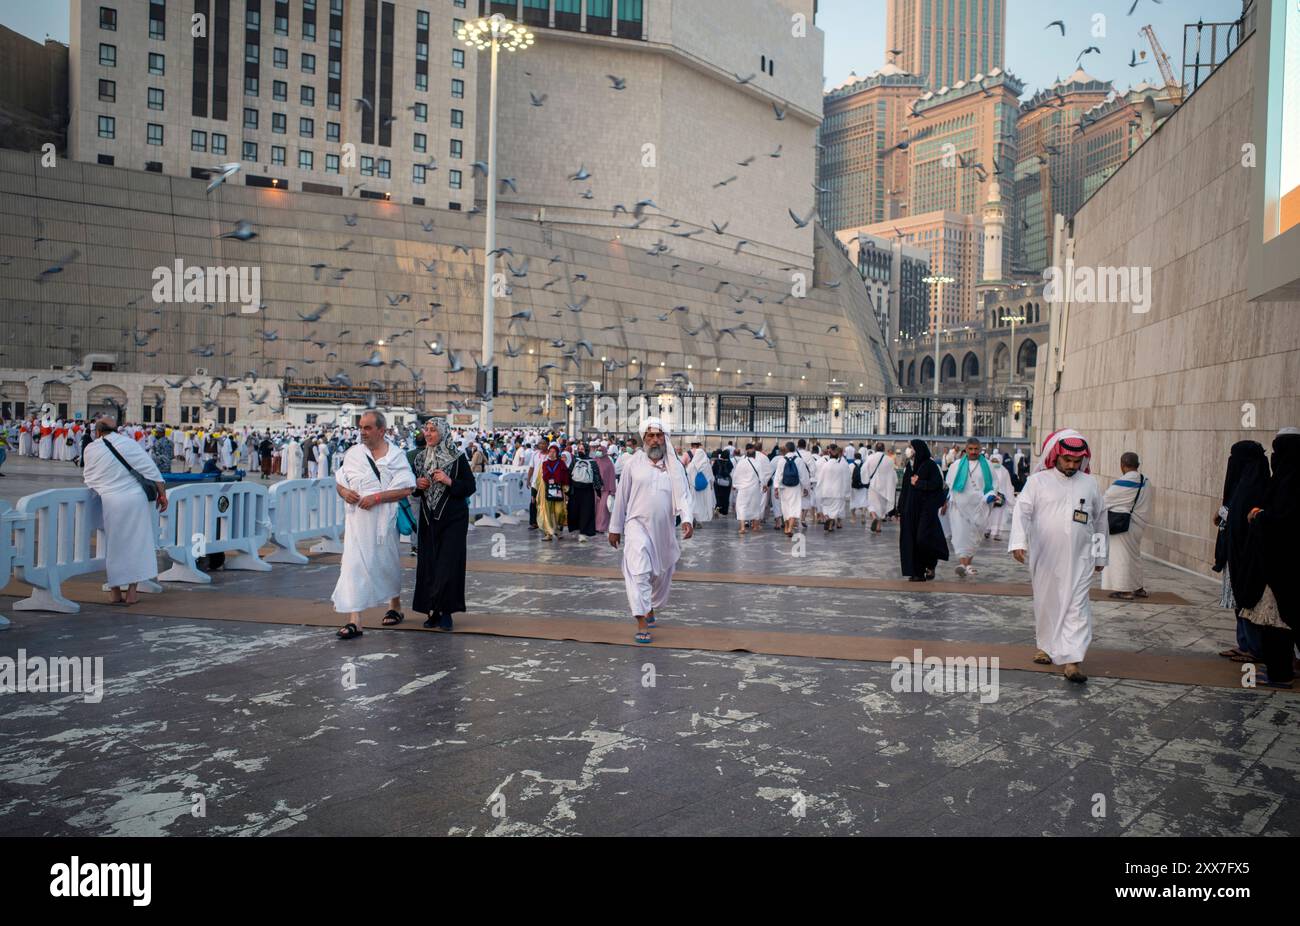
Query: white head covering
x=679 y=471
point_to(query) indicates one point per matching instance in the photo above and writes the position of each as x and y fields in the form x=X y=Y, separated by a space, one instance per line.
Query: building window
x=107 y=127
x=250 y=118
x=417 y=173
x=154 y=133
x=453 y=179
x=458 y=3
x=281 y=57
x=336 y=69
x=108 y=18
x=277 y=155
x=253 y=20
x=421 y=111
x=457 y=148
x=309 y=32
x=385 y=168
x=282 y=25
x=157 y=29
x=336 y=38
x=250 y=151
x=331 y=163
x=305 y=160
x=367 y=166
x=336 y=7
x=457 y=88
x=421 y=51
x=279 y=90
x=421 y=142
x=108 y=91
x=421 y=82
x=307 y=96
x=108 y=55
x=334 y=100
x=457 y=119
x=252 y=53
x=306 y=127
x=421 y=18
x=332 y=130
x=218 y=143
x=105 y=159
x=456 y=26
x=458 y=57
x=279 y=123
x=198 y=140
x=157 y=64
x=251 y=86
x=155 y=98
x=308 y=63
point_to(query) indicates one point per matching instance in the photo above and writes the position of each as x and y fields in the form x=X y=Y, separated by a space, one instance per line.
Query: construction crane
x=1162 y=62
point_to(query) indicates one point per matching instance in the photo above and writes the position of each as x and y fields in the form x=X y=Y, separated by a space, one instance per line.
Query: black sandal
x=350 y=632
x=393 y=618
x=431 y=622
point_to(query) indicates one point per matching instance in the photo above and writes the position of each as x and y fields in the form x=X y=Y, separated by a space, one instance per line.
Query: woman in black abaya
x=444 y=482
x=920 y=542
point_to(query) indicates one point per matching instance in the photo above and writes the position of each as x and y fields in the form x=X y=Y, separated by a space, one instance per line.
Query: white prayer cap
x=648 y=423
x=995 y=458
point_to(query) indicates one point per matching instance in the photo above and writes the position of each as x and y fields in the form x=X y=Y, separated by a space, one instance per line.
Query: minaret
x=994 y=222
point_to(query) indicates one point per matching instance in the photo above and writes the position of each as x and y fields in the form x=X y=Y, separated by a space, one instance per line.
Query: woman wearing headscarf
x=722 y=467
x=1274 y=524
x=1244 y=487
x=584 y=486
x=550 y=482
x=608 y=482
x=443 y=485
x=920 y=542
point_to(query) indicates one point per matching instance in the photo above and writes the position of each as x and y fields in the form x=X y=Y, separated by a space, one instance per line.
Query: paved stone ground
x=479 y=735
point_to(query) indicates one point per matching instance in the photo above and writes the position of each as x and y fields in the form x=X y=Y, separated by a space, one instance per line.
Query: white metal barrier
x=15 y=544
x=499 y=498
x=215 y=517
x=305 y=509
x=54 y=533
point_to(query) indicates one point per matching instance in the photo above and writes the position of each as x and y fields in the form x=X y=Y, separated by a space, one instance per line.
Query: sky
x=855 y=34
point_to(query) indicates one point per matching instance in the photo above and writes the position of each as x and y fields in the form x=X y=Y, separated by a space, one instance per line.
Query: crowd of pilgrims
x=943 y=505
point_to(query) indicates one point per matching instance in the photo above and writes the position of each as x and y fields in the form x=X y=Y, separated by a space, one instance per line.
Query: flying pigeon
x=224 y=172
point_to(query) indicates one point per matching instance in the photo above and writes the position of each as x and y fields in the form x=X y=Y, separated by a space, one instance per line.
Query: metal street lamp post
x=493 y=32
x=1011 y=355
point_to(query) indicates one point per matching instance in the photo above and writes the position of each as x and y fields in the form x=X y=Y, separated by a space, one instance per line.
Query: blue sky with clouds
x=855 y=34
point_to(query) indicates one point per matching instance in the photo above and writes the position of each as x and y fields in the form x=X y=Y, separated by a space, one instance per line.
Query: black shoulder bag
x=150 y=487
x=1118 y=522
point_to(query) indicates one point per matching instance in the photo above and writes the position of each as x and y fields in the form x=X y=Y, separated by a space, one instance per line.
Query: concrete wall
x=124 y=224
x=1180 y=383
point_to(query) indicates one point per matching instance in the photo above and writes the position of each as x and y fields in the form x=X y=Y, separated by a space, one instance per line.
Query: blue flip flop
x=643 y=637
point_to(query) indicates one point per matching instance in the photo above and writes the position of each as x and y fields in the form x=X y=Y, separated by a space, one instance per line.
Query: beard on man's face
x=655 y=452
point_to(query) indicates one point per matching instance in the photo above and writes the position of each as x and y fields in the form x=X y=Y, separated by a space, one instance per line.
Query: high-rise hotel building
x=946 y=41
x=369 y=98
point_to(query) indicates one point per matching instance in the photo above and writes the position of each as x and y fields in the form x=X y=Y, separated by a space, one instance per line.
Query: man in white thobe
x=970 y=497
x=374 y=477
x=130 y=526
x=291 y=459
x=791 y=496
x=1131 y=492
x=1000 y=515
x=1059 y=523
x=750 y=474
x=225 y=453
x=881 y=479
x=702 y=500
x=651 y=498
x=833 y=485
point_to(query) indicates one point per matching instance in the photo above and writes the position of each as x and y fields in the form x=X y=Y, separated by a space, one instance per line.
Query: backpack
x=790 y=474
x=857 y=475
x=582 y=471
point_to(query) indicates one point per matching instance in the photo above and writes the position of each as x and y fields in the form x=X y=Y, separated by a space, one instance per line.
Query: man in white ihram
x=750 y=477
x=374 y=477
x=1060 y=521
x=970 y=496
x=652 y=496
x=130 y=532
x=702 y=500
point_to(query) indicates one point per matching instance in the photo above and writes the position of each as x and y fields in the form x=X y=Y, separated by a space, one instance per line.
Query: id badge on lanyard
x=1081 y=513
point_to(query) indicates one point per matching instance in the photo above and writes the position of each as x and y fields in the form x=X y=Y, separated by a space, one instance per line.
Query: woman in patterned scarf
x=443 y=484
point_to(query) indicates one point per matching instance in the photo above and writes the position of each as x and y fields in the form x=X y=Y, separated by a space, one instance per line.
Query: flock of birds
x=520 y=269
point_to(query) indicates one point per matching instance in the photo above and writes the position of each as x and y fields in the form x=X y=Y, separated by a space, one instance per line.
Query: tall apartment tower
x=946 y=41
